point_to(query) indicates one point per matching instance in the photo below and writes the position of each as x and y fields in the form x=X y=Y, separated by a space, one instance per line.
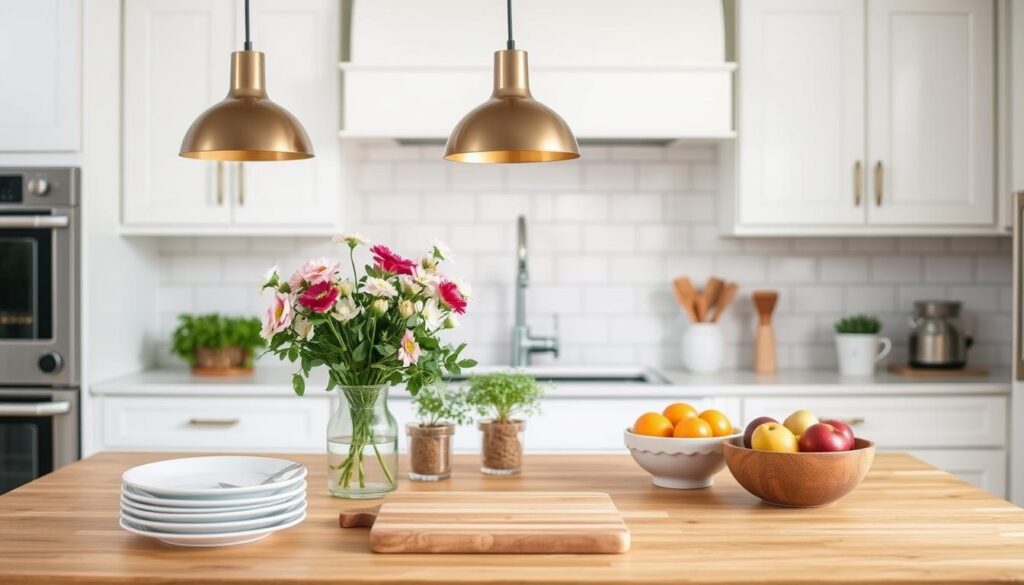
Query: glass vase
x=502 y=449
x=362 y=444
x=430 y=451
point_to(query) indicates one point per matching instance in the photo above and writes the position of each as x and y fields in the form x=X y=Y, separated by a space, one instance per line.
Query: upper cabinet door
x=301 y=40
x=801 y=121
x=931 y=131
x=40 y=88
x=176 y=61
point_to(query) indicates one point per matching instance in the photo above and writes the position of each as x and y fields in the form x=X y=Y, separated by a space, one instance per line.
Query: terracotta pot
x=502 y=446
x=430 y=451
x=223 y=361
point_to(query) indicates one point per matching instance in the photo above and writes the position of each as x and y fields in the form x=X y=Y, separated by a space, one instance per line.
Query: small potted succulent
x=859 y=346
x=215 y=345
x=439 y=410
x=499 y=397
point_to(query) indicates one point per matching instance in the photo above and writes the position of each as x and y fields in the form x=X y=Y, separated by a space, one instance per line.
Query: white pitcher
x=859 y=352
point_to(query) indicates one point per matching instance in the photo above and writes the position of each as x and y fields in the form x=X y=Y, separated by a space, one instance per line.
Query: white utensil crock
x=703 y=348
x=859 y=352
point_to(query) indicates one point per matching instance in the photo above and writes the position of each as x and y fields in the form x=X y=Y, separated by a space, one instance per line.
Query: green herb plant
x=215 y=331
x=437 y=405
x=504 y=394
x=864 y=324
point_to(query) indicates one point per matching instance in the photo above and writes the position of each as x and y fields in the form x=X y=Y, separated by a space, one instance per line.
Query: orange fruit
x=692 y=428
x=721 y=426
x=653 y=424
x=678 y=411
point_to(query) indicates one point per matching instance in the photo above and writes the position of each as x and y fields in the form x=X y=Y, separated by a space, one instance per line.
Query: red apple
x=842 y=428
x=823 y=437
x=749 y=432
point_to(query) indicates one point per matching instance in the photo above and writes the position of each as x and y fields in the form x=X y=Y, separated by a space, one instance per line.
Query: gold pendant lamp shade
x=511 y=127
x=246 y=125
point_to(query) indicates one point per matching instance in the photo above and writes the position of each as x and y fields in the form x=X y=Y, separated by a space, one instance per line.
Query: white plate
x=223 y=539
x=198 y=477
x=214 y=527
x=191 y=504
x=145 y=512
x=179 y=511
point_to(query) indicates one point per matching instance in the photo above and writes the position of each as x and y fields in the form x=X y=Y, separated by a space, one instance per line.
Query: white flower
x=429 y=282
x=464 y=289
x=379 y=307
x=429 y=263
x=406 y=309
x=345 y=287
x=303 y=328
x=408 y=285
x=441 y=251
x=271 y=278
x=379 y=287
x=352 y=240
x=431 y=314
x=345 y=309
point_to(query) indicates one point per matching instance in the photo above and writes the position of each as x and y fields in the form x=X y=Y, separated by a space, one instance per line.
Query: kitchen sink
x=577 y=374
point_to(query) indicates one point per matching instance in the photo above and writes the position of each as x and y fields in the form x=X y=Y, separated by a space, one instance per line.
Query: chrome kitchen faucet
x=523 y=344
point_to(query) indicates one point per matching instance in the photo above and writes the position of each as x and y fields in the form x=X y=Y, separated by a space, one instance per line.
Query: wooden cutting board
x=499 y=523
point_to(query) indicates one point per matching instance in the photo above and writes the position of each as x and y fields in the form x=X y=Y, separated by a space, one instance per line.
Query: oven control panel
x=38 y=186
x=10 y=188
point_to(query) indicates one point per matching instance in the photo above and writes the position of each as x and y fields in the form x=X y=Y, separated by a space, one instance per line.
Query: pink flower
x=389 y=261
x=279 y=316
x=409 y=350
x=320 y=297
x=314 y=271
x=450 y=296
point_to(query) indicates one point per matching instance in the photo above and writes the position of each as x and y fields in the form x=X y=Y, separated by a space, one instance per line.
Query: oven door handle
x=34 y=221
x=34 y=408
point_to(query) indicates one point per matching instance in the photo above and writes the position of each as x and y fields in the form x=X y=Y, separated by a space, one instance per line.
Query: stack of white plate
x=213 y=501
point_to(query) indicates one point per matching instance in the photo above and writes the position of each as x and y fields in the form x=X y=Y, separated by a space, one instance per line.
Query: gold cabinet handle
x=220 y=183
x=879 y=182
x=212 y=422
x=241 y=184
x=858 y=183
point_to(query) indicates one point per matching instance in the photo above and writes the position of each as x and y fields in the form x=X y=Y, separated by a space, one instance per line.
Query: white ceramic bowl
x=679 y=464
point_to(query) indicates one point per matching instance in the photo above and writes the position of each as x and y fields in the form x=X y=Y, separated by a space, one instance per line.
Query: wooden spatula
x=685 y=296
x=712 y=291
x=724 y=300
x=764 y=343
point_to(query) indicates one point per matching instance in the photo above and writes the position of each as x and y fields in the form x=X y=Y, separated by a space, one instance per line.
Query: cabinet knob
x=38 y=186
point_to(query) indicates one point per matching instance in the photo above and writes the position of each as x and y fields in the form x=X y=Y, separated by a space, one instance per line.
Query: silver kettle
x=936 y=337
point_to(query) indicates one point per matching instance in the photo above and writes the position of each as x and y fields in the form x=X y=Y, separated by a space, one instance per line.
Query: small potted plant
x=859 y=346
x=430 y=440
x=499 y=397
x=215 y=345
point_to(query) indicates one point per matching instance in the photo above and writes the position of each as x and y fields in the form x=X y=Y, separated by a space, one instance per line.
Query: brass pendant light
x=511 y=127
x=246 y=125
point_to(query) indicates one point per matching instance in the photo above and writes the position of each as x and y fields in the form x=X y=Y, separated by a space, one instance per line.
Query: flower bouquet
x=369 y=332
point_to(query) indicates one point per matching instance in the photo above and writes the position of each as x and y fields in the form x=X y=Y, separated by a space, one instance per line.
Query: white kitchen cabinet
x=931 y=132
x=983 y=468
x=802 y=112
x=829 y=147
x=200 y=423
x=40 y=89
x=177 y=60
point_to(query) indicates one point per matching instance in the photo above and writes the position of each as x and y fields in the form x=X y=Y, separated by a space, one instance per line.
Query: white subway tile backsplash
x=606 y=235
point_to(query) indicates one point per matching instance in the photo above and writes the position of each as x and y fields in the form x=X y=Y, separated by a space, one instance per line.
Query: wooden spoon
x=712 y=291
x=764 y=343
x=724 y=300
x=685 y=296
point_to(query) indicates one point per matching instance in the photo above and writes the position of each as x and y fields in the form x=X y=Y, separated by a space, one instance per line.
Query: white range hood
x=644 y=70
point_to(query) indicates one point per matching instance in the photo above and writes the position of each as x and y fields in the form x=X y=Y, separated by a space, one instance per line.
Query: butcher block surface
x=907 y=523
x=499 y=522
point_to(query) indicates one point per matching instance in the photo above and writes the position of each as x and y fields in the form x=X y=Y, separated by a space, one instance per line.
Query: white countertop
x=276 y=381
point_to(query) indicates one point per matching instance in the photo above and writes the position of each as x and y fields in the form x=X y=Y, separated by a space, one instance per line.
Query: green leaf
x=298 y=384
x=467 y=363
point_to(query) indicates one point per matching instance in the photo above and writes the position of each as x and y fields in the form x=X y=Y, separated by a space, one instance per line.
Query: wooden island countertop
x=907 y=523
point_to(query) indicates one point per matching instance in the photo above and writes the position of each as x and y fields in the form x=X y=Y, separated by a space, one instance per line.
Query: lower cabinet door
x=984 y=468
x=215 y=424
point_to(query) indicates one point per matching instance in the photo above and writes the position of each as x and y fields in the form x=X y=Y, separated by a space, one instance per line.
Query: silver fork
x=270 y=479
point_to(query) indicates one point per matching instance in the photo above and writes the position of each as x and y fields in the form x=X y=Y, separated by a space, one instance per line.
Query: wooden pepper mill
x=764 y=342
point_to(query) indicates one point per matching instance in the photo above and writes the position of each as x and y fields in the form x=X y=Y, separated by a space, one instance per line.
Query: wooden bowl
x=799 y=480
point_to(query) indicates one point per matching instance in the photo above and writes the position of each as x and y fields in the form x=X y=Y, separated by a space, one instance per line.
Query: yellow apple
x=773 y=437
x=799 y=421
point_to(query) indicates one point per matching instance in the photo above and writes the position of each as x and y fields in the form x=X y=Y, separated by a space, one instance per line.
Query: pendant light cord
x=511 y=44
x=248 y=41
